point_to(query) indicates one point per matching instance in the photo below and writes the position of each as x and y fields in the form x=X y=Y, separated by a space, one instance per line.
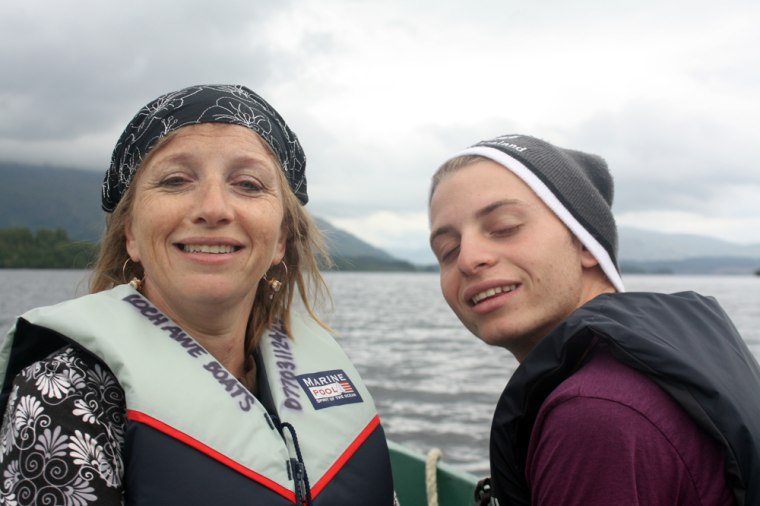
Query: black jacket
x=684 y=342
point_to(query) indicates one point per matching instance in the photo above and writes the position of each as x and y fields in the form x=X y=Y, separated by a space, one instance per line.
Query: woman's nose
x=213 y=206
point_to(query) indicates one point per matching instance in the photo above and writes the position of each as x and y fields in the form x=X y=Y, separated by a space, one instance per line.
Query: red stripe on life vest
x=360 y=439
x=137 y=416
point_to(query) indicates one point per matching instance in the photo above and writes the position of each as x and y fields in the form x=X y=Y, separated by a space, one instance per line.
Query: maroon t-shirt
x=609 y=436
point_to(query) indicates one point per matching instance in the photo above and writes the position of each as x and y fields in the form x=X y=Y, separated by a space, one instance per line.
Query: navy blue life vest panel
x=684 y=342
x=161 y=470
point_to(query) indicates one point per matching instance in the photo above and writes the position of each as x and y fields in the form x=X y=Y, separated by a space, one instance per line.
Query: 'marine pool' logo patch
x=329 y=388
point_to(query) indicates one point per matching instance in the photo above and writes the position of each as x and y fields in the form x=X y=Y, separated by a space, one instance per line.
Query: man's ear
x=588 y=260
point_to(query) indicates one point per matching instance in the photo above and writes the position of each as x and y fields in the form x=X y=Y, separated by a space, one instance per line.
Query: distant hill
x=645 y=245
x=42 y=197
x=654 y=252
x=344 y=244
x=39 y=197
x=352 y=254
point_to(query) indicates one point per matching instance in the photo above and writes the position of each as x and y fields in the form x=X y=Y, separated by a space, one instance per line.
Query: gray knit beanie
x=576 y=186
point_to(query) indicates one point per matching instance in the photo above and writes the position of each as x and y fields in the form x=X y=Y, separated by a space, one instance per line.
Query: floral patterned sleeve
x=62 y=434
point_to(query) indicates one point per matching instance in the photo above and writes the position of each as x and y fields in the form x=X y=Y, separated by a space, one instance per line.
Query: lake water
x=435 y=384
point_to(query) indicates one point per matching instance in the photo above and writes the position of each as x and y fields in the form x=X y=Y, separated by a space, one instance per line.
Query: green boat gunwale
x=455 y=487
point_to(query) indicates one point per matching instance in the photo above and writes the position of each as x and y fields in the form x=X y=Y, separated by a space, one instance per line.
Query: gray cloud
x=379 y=98
x=668 y=159
x=78 y=67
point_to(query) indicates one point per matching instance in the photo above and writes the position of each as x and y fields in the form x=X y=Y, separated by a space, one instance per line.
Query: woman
x=184 y=378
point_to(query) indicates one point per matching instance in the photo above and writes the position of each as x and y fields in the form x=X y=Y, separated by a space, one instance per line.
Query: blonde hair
x=450 y=166
x=299 y=269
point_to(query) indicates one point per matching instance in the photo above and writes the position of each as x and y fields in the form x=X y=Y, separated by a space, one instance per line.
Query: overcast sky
x=380 y=92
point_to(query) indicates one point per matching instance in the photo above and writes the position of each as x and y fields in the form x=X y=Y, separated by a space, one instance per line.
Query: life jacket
x=684 y=342
x=194 y=434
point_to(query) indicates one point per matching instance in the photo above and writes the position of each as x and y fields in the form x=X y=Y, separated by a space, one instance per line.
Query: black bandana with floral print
x=231 y=104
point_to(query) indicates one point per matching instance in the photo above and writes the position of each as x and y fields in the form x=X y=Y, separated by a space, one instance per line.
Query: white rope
x=431 y=478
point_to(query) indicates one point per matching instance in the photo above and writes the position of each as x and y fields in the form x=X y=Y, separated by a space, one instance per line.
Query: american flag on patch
x=346 y=386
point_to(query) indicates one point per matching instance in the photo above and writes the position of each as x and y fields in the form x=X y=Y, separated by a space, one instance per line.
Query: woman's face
x=206 y=222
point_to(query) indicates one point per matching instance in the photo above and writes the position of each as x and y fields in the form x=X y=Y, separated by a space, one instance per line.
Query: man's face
x=510 y=269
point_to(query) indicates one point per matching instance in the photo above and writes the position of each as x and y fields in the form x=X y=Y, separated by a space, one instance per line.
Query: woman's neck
x=219 y=328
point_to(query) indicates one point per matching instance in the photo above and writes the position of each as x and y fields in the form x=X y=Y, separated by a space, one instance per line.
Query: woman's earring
x=275 y=284
x=135 y=282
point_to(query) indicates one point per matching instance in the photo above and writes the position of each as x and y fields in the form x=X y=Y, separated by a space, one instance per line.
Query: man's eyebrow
x=497 y=205
x=481 y=213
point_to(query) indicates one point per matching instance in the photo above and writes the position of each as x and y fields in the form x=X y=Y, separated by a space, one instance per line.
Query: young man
x=620 y=398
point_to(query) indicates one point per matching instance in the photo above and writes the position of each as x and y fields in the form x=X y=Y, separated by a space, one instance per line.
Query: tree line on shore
x=22 y=248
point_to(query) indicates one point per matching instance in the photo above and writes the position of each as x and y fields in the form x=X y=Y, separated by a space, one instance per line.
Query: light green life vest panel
x=175 y=385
